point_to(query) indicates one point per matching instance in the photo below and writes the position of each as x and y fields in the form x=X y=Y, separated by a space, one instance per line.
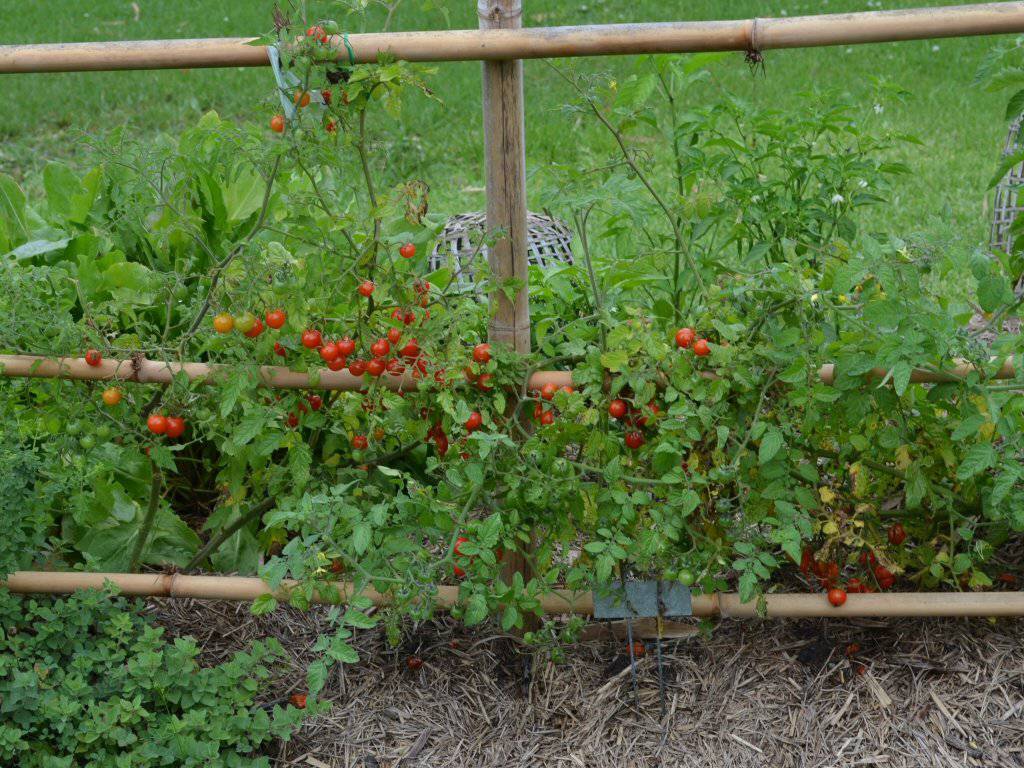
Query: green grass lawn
x=944 y=196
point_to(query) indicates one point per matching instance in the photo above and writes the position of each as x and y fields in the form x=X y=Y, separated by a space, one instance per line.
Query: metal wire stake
x=629 y=639
x=661 y=670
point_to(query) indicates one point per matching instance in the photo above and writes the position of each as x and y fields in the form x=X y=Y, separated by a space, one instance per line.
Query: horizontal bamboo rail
x=145 y=371
x=728 y=605
x=542 y=42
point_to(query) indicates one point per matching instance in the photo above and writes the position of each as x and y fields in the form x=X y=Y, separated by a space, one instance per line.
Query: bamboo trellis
x=501 y=43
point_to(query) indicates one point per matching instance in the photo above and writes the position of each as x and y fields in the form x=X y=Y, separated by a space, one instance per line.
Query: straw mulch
x=771 y=693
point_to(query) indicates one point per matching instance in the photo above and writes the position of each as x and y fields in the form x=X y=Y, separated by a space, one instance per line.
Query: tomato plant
x=700 y=441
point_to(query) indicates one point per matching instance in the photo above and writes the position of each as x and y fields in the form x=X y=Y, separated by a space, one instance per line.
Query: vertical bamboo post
x=505 y=155
x=505 y=158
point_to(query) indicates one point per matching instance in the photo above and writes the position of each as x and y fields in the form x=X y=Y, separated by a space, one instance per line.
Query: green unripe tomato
x=53 y=425
x=245 y=322
x=74 y=428
x=102 y=432
x=88 y=442
x=686 y=578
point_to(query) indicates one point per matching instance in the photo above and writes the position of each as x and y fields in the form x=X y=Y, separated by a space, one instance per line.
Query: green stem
x=147 y=521
x=215 y=543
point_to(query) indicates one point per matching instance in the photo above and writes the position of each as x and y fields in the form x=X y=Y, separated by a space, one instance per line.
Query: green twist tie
x=348 y=47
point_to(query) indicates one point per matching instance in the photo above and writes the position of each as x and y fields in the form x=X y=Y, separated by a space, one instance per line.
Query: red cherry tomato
x=175 y=426
x=346 y=346
x=329 y=351
x=293 y=420
x=394 y=335
x=458 y=551
x=482 y=353
x=376 y=366
x=276 y=319
x=547 y=418
x=279 y=350
x=298 y=700
x=93 y=357
x=157 y=424
x=653 y=408
x=484 y=382
x=395 y=367
x=359 y=442
x=407 y=251
x=617 y=408
x=836 y=596
x=414 y=663
x=634 y=439
x=366 y=288
x=701 y=348
x=311 y=338
x=897 y=534
x=277 y=123
x=380 y=348
x=867 y=557
x=806 y=560
x=685 y=337
x=357 y=367
x=317 y=33
x=884 y=577
x=474 y=421
x=411 y=350
x=256 y=330
x=548 y=390
x=315 y=402
x=337 y=364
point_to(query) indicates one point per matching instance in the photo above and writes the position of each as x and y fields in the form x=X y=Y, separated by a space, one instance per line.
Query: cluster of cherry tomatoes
x=318 y=36
x=170 y=426
x=687 y=338
x=634 y=418
x=474 y=372
x=249 y=324
x=828 y=573
x=545 y=414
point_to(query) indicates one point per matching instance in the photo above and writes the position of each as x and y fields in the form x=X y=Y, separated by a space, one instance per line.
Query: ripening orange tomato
x=223 y=323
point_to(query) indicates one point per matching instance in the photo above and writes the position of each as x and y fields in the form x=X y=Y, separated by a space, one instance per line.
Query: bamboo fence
x=503 y=42
x=489 y=44
x=558 y=602
x=145 y=371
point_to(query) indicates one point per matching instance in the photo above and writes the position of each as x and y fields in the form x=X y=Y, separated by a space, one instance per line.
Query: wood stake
x=505 y=156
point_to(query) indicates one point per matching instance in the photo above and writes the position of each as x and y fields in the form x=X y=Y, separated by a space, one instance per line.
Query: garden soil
x=889 y=693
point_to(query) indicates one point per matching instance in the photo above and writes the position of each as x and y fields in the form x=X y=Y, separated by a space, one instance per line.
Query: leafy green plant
x=88 y=681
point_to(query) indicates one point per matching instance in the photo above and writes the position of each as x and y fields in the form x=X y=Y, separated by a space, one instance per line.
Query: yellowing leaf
x=903 y=457
x=827 y=494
